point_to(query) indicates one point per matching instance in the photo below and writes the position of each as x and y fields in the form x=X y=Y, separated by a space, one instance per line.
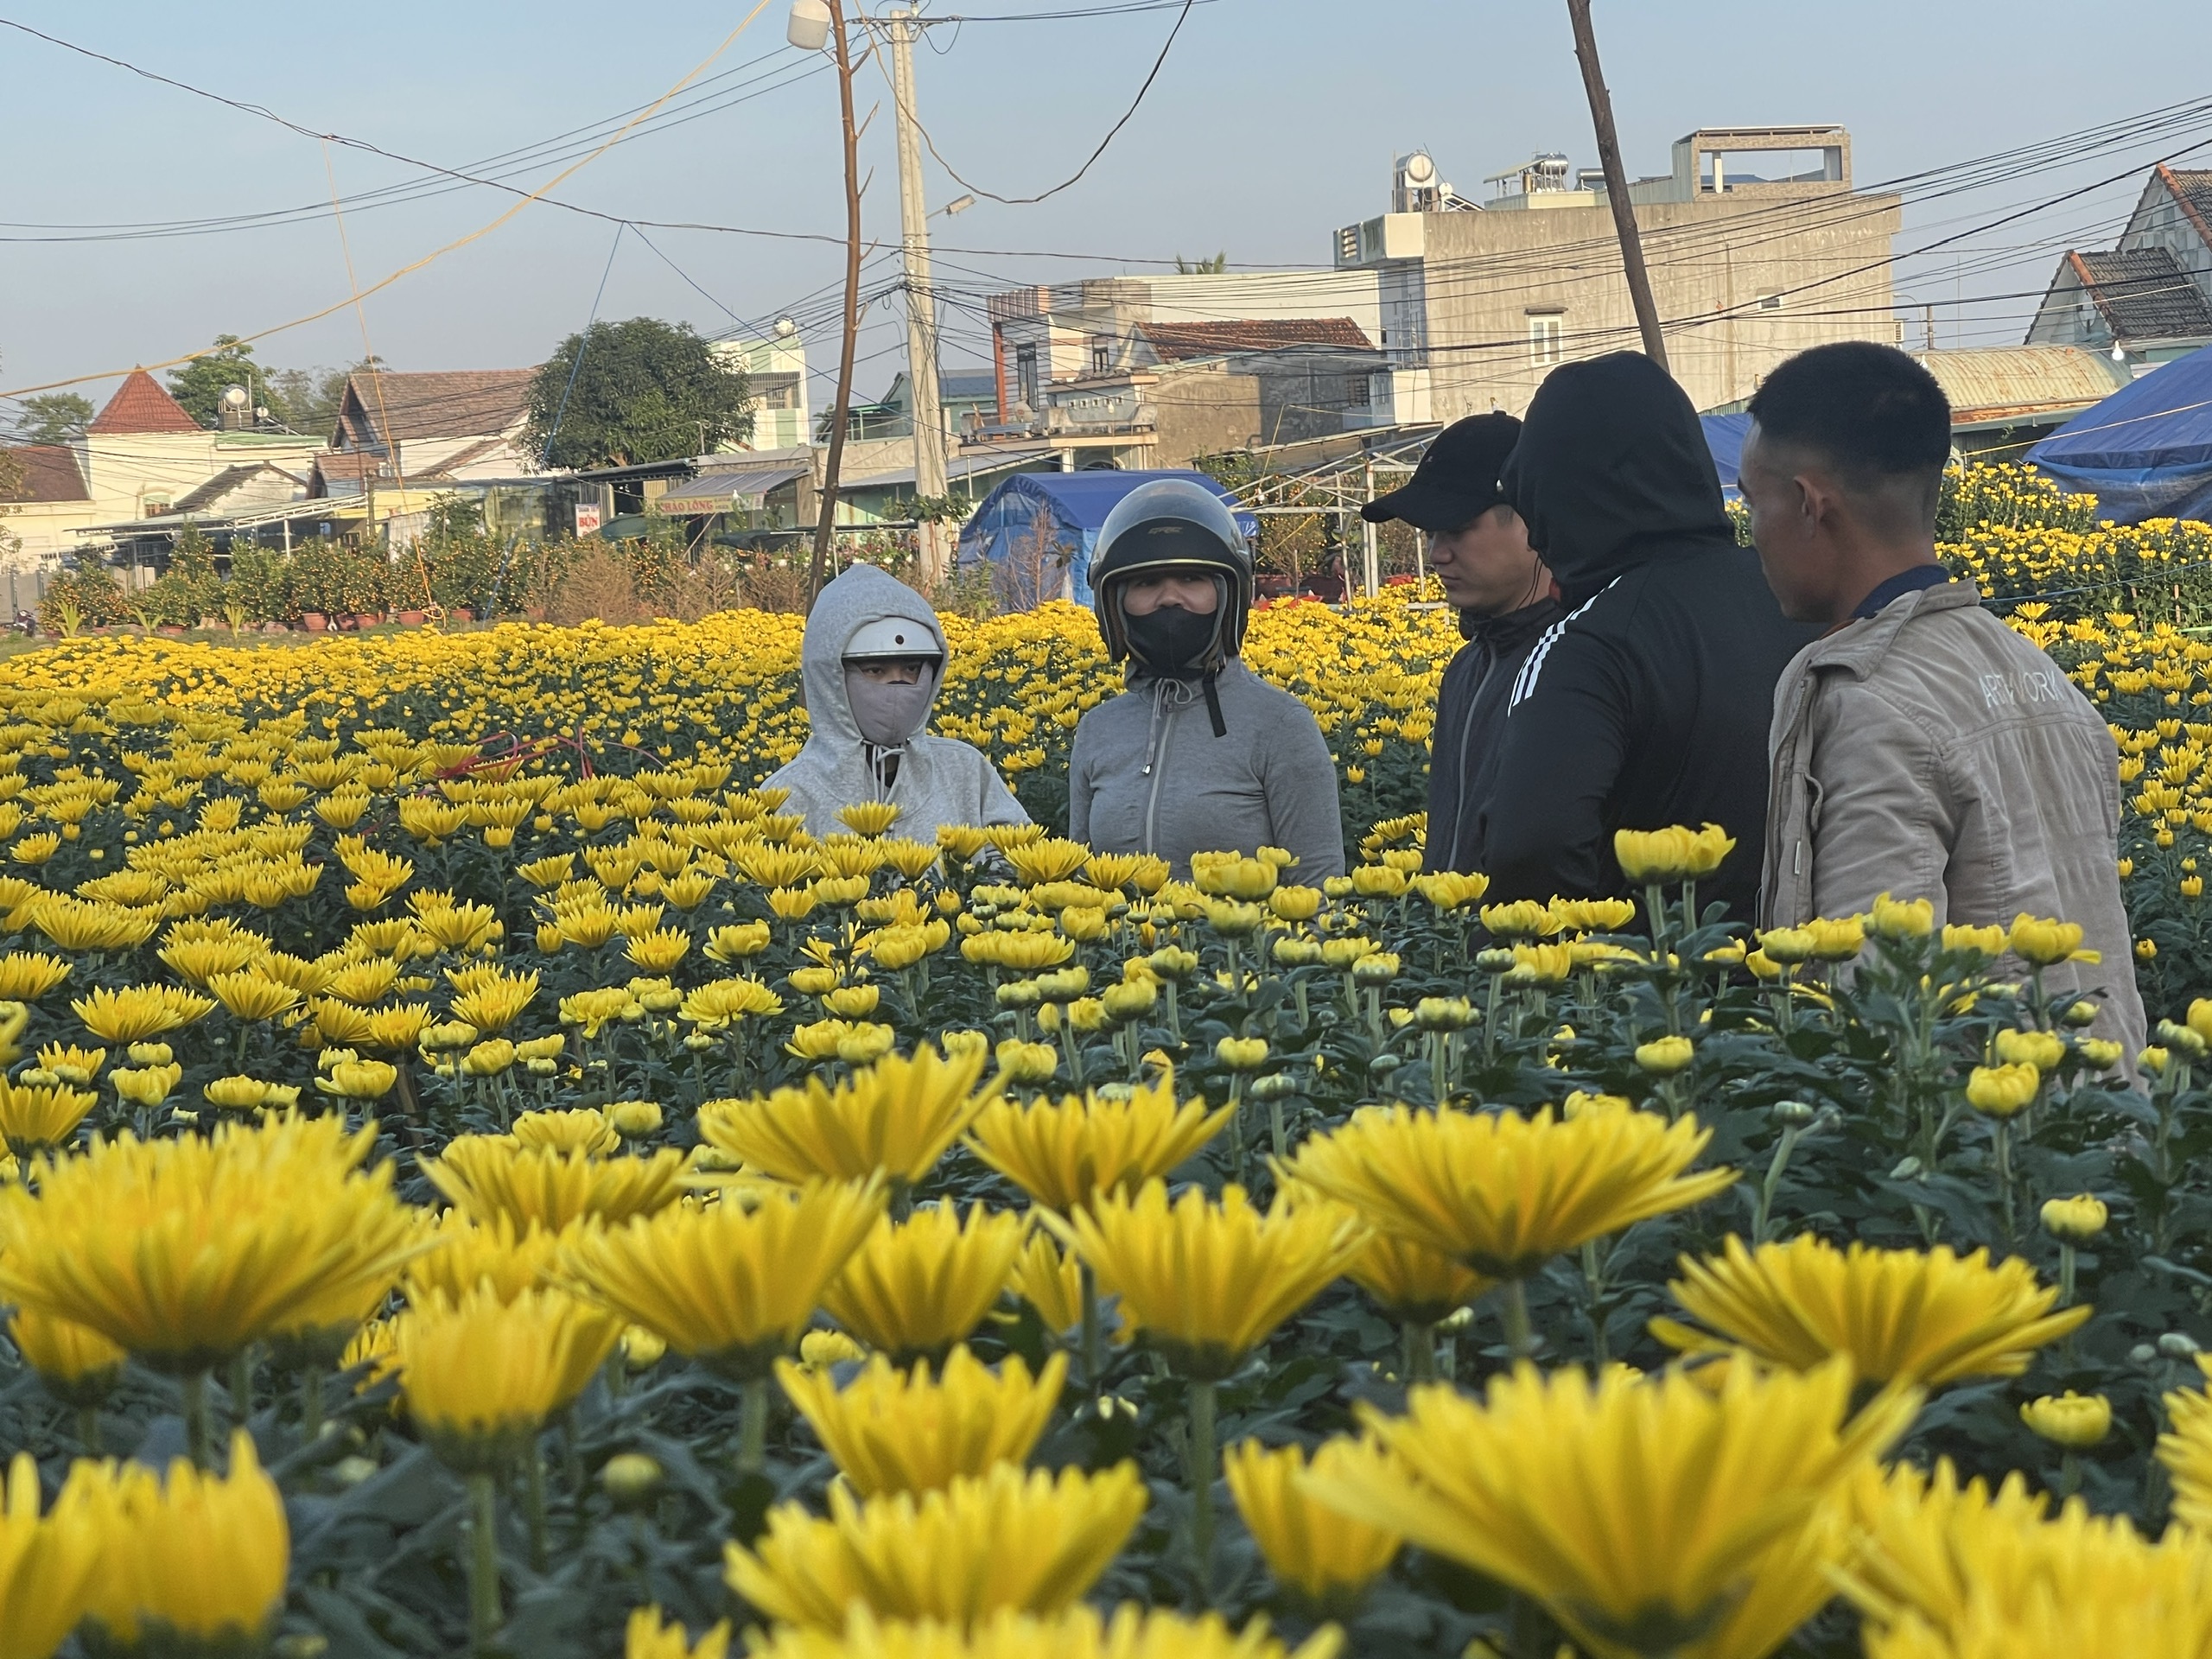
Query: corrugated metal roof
x=1991 y=382
x=719 y=488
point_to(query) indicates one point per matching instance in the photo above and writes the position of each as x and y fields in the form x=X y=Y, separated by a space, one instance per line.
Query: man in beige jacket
x=1920 y=748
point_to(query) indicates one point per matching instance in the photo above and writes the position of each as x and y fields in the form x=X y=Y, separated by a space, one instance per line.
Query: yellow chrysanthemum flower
x=489 y=1176
x=204 y=1556
x=46 y=1564
x=480 y=1376
x=136 y=1012
x=1930 y=1317
x=732 y=1284
x=35 y=1117
x=1133 y=1632
x=914 y=1288
x=1063 y=1152
x=1208 y=1282
x=896 y=1118
x=1504 y=1194
x=1007 y=1538
x=1321 y=1553
x=1639 y=1511
x=890 y=1430
x=647 y=1637
x=185 y=1250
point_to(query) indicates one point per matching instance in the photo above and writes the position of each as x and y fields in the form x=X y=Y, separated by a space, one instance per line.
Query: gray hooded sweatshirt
x=937 y=780
x=1148 y=775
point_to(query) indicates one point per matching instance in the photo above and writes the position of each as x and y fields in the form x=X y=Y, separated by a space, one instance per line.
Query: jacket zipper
x=1467 y=731
x=1159 y=770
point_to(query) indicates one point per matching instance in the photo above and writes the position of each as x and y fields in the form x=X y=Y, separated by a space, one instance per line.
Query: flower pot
x=411 y=619
x=363 y=620
x=314 y=621
x=172 y=630
x=462 y=613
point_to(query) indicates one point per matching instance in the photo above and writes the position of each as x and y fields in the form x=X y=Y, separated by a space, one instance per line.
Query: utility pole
x=1609 y=158
x=825 y=512
x=921 y=301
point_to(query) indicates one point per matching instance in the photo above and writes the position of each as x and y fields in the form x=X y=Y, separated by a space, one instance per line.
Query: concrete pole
x=1608 y=157
x=1371 y=550
x=921 y=303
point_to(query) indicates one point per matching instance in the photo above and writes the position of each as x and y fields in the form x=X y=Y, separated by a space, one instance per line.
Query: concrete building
x=1154 y=372
x=1478 y=301
x=143 y=456
x=2148 y=299
x=777 y=372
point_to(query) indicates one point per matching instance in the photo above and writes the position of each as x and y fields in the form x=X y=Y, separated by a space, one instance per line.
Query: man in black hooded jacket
x=1647 y=704
x=1479 y=551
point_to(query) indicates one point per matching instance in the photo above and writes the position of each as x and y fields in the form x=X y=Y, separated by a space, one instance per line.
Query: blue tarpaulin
x=1039 y=528
x=1724 y=435
x=2145 y=451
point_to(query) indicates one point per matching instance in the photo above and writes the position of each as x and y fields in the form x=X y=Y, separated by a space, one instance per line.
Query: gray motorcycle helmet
x=1171 y=521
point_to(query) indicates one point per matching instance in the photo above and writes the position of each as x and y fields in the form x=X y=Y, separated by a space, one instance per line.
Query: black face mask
x=1170 y=640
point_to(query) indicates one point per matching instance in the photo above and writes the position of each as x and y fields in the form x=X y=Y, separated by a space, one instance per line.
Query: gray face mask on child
x=889 y=714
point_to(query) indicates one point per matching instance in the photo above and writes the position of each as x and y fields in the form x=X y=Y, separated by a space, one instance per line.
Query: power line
x=1112 y=132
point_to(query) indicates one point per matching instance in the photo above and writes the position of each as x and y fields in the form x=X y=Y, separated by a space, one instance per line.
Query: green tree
x=310 y=396
x=53 y=417
x=648 y=391
x=1218 y=265
x=198 y=386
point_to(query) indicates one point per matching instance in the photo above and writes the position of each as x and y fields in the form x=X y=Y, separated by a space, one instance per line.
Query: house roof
x=50 y=474
x=1993 y=384
x=2143 y=293
x=141 y=405
x=2192 y=189
x=443 y=403
x=1177 y=341
x=224 y=482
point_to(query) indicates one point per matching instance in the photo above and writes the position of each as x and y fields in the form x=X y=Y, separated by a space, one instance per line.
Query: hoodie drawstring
x=1178 y=693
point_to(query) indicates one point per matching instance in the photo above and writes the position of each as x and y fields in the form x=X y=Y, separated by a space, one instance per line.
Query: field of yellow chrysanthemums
x=478 y=1177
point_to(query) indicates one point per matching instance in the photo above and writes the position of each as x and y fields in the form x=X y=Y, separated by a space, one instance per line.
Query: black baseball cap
x=1456 y=480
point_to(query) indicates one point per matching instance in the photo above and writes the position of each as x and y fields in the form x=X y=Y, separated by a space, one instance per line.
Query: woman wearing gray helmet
x=1199 y=754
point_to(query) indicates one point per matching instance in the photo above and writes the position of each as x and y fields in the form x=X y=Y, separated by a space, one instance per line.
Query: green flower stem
x=1094 y=1366
x=311 y=1403
x=1513 y=1313
x=1174 y=1016
x=1236 y=1128
x=1440 y=1070
x=241 y=1386
x=534 y=1497
x=1305 y=1014
x=1593 y=1274
x=1765 y=1215
x=197 y=1435
x=2069 y=1476
x=752 y=1428
x=2002 y=1133
x=1203 y=1462
x=483 y=1562
x=88 y=1429
x=2065 y=1274
x=1420 y=1352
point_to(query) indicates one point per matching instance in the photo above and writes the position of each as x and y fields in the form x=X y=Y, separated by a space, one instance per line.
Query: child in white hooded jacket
x=871 y=665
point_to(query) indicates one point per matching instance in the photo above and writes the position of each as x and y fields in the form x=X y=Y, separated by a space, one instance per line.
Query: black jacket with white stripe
x=1648 y=703
x=1470 y=721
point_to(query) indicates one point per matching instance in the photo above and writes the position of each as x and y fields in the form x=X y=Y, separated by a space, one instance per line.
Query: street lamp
x=957 y=205
x=809 y=29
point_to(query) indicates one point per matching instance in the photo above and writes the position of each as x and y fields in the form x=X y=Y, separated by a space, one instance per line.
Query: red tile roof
x=50 y=474
x=141 y=405
x=1174 y=341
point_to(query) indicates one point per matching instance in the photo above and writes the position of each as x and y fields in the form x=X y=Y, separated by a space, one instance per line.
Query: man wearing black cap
x=1479 y=549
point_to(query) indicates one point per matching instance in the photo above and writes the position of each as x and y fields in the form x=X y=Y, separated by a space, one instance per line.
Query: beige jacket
x=1930 y=752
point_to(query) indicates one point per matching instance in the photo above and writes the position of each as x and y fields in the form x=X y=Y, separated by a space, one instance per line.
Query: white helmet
x=892 y=637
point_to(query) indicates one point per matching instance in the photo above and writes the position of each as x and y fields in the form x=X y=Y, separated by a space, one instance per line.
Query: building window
x=1025 y=375
x=1102 y=354
x=1769 y=302
x=1544 y=337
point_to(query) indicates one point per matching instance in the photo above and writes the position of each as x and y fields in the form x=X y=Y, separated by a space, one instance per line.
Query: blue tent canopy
x=1724 y=436
x=2146 y=450
x=1039 y=528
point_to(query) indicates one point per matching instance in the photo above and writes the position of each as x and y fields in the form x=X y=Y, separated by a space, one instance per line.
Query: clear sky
x=1272 y=122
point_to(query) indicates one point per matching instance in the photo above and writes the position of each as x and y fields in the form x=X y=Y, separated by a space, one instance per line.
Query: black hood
x=1613 y=468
